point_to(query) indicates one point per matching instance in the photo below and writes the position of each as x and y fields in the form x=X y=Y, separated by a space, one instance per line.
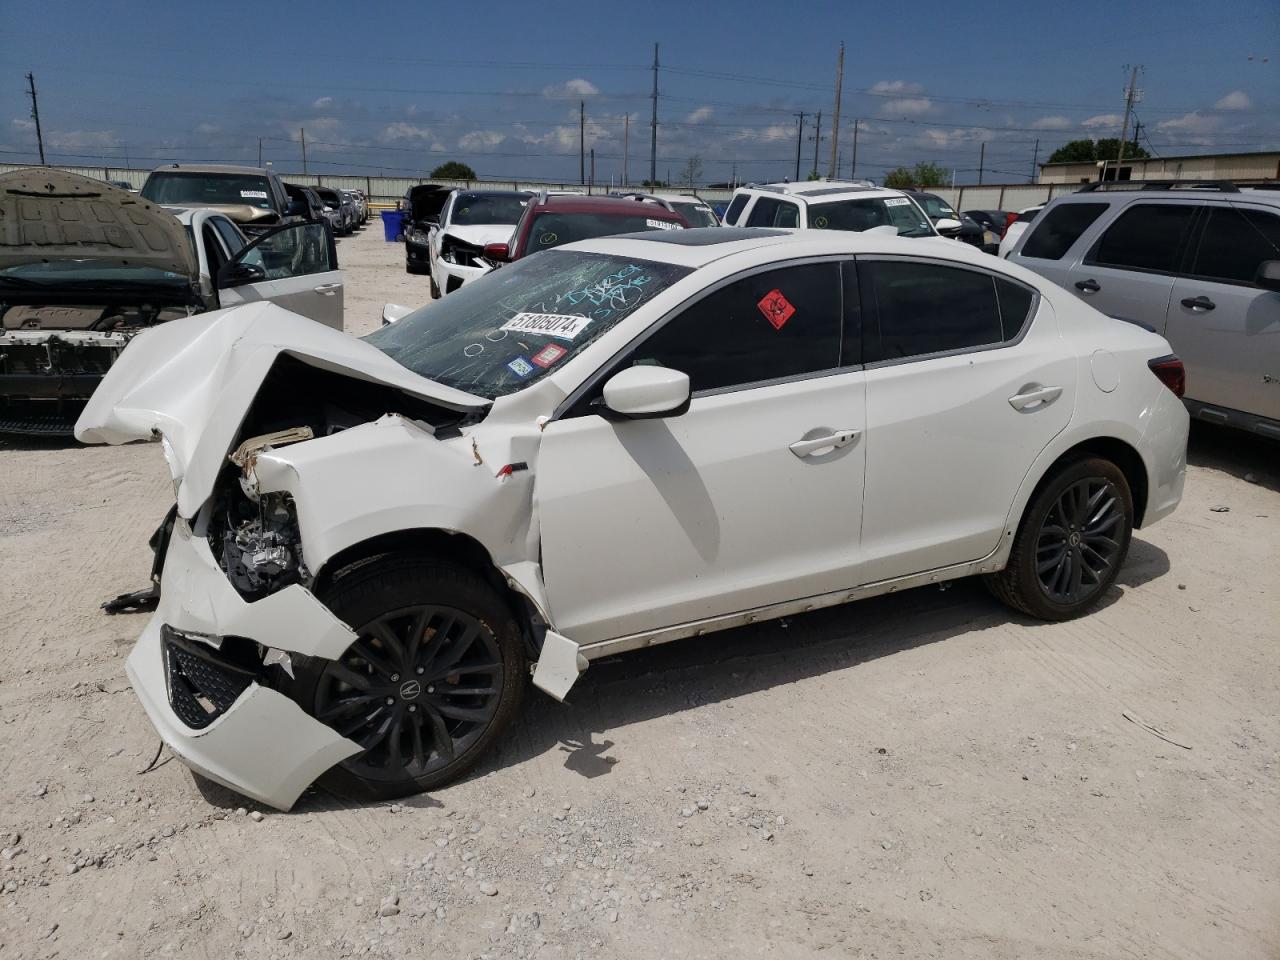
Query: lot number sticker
x=253 y=194
x=661 y=224
x=561 y=325
x=897 y=202
x=776 y=308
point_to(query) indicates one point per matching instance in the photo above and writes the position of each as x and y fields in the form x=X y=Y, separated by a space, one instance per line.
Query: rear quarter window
x=735 y=208
x=1058 y=230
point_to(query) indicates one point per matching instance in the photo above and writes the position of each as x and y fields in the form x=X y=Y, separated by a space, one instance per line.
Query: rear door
x=294 y=266
x=1128 y=271
x=1226 y=329
x=967 y=382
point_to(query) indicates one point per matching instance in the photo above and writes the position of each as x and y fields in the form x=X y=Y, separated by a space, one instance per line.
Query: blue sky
x=395 y=89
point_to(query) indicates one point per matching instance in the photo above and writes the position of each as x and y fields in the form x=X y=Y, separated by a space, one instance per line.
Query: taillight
x=1170 y=372
x=1008 y=221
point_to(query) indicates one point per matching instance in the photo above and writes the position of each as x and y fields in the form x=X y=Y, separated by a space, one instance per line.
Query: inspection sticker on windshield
x=776 y=308
x=521 y=367
x=561 y=325
x=896 y=202
x=253 y=194
x=661 y=224
x=549 y=354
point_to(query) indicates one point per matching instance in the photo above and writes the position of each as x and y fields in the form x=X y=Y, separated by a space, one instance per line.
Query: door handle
x=808 y=448
x=1088 y=286
x=1034 y=397
x=328 y=289
x=1199 y=304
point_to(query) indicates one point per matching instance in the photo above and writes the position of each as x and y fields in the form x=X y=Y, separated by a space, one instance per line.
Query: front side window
x=1147 y=236
x=203 y=189
x=914 y=309
x=476 y=208
x=231 y=236
x=858 y=215
x=504 y=331
x=1235 y=241
x=1056 y=232
x=295 y=251
x=735 y=208
x=778 y=323
x=937 y=208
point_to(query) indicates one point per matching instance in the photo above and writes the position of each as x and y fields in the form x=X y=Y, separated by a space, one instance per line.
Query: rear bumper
x=1164 y=448
x=262 y=745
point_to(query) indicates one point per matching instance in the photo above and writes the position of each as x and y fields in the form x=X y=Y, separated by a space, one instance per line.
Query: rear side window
x=1147 y=236
x=1234 y=242
x=735 y=208
x=914 y=309
x=1054 y=234
x=779 y=323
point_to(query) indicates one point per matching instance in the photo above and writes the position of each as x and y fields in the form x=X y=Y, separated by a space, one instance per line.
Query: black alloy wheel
x=1078 y=541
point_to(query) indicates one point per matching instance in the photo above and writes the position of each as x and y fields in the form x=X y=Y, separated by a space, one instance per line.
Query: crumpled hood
x=240 y=212
x=48 y=214
x=481 y=233
x=192 y=381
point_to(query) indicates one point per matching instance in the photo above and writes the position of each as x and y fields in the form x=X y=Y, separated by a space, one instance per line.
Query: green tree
x=1085 y=151
x=453 y=170
x=898 y=179
x=921 y=175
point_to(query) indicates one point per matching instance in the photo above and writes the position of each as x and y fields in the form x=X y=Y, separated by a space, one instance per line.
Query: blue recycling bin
x=392 y=225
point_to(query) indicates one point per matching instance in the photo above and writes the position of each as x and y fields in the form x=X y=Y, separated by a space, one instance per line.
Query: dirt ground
x=923 y=775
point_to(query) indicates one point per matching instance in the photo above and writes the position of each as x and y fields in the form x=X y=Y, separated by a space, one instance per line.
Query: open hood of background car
x=193 y=380
x=48 y=214
x=427 y=200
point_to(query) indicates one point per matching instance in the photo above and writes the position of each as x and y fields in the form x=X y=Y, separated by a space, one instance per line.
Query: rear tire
x=1071 y=543
x=437 y=673
x=435 y=290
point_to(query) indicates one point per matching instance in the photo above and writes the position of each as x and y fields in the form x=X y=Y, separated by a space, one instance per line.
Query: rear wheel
x=438 y=670
x=1072 y=541
x=435 y=290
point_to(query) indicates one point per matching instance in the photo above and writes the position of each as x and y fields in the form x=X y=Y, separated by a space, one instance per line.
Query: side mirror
x=1268 y=275
x=947 y=223
x=237 y=274
x=497 y=252
x=391 y=312
x=296 y=208
x=643 y=393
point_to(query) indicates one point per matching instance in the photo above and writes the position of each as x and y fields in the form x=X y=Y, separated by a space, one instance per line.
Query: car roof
x=617 y=206
x=685 y=249
x=211 y=168
x=825 y=189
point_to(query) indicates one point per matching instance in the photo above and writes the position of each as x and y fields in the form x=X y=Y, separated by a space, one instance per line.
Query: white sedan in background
x=613 y=444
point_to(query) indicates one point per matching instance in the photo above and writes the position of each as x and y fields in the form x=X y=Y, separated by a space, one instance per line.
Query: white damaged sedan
x=609 y=445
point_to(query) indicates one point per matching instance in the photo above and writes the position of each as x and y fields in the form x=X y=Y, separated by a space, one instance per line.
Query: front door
x=751 y=497
x=294 y=266
x=967 y=383
x=1225 y=329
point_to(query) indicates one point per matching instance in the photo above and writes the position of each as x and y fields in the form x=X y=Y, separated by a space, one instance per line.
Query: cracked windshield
x=498 y=335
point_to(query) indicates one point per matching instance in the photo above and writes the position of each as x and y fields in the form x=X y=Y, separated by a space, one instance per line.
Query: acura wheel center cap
x=410 y=690
x=1074 y=539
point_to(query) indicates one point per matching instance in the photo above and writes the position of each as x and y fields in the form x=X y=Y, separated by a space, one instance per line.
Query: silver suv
x=1198 y=263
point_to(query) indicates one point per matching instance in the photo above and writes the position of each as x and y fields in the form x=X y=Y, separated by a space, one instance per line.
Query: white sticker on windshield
x=896 y=202
x=662 y=224
x=253 y=194
x=560 y=325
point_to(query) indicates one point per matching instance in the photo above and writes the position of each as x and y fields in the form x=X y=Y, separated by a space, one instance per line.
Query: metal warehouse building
x=1208 y=166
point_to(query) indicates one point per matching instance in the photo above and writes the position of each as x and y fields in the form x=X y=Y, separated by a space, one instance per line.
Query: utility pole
x=817 y=141
x=653 y=130
x=799 y=140
x=259 y=151
x=1128 y=108
x=1137 y=129
x=303 y=132
x=582 y=141
x=1035 y=161
x=853 y=168
x=593 y=171
x=35 y=115
x=834 y=170
x=982 y=160
x=626 y=147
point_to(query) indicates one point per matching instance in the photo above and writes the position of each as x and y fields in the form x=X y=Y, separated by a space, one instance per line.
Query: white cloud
x=897 y=87
x=701 y=115
x=1194 y=124
x=907 y=106
x=1235 y=100
x=322 y=103
x=1051 y=123
x=1103 y=121
x=571 y=88
x=68 y=139
x=404 y=131
x=480 y=139
x=778 y=131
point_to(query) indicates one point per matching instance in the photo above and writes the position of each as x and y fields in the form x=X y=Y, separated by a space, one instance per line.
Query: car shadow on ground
x=1241 y=454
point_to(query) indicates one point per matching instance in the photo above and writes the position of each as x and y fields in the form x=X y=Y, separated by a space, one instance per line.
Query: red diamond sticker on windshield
x=548 y=354
x=776 y=308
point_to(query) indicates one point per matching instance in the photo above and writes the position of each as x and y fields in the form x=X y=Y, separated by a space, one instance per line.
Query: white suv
x=855 y=205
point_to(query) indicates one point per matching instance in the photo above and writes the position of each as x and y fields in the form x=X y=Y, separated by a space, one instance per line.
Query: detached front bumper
x=262 y=744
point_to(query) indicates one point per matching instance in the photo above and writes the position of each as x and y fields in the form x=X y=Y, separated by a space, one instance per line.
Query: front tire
x=1072 y=541
x=435 y=290
x=436 y=674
